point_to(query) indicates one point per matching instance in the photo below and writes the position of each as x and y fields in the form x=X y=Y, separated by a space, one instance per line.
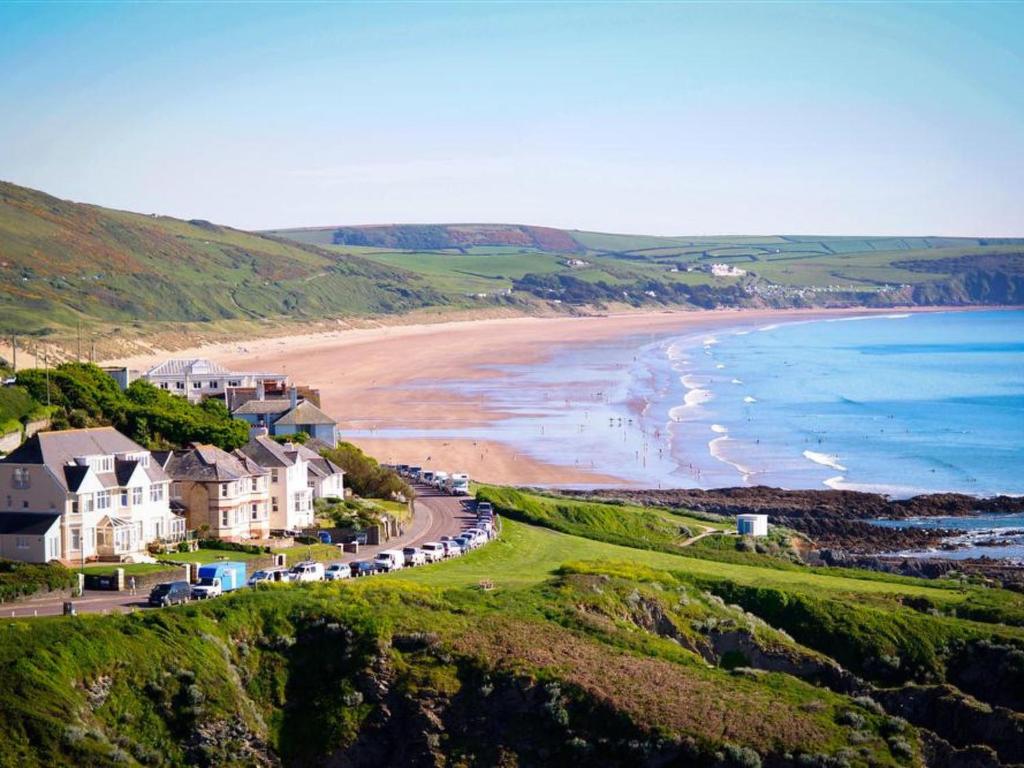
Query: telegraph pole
x=14 y=353
x=46 y=365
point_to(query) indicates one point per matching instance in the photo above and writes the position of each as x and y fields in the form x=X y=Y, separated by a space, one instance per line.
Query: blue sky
x=663 y=118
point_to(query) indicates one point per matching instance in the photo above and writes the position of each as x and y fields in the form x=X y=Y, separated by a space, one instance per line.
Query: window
x=24 y=504
x=74 y=504
x=103 y=500
x=156 y=492
x=273 y=475
x=21 y=542
x=255 y=483
x=52 y=548
x=90 y=505
x=255 y=511
x=124 y=497
x=224 y=519
x=179 y=385
x=197 y=385
x=105 y=464
x=76 y=539
x=214 y=384
x=136 y=496
x=223 y=489
x=273 y=503
x=234 y=383
x=239 y=516
x=163 y=385
x=21 y=479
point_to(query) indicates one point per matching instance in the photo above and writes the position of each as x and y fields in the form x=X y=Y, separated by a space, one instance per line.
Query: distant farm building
x=727 y=270
x=752 y=525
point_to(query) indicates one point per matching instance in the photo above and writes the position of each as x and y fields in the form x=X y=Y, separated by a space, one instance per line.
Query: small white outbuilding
x=752 y=525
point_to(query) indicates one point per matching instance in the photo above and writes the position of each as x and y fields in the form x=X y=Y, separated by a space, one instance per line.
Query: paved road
x=435 y=515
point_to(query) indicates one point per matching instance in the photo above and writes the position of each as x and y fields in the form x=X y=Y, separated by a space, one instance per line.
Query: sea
x=900 y=403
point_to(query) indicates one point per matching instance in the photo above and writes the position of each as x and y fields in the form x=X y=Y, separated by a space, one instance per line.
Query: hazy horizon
x=657 y=119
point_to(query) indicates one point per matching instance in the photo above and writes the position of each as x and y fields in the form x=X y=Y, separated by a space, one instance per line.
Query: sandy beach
x=393 y=377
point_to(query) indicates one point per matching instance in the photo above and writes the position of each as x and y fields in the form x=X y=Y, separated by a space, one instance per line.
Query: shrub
x=741 y=757
x=232 y=546
x=364 y=475
x=19 y=579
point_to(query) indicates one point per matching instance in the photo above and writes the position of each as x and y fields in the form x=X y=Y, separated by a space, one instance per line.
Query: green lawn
x=204 y=556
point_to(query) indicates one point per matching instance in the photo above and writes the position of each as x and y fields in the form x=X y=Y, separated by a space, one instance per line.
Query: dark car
x=170 y=593
x=364 y=568
x=359 y=537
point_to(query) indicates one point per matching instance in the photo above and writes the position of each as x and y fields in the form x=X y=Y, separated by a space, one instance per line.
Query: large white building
x=291 y=498
x=198 y=378
x=83 y=494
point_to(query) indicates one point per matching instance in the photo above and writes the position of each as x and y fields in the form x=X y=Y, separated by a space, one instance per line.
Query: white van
x=308 y=571
x=440 y=478
x=270 y=576
x=434 y=551
x=390 y=560
x=458 y=484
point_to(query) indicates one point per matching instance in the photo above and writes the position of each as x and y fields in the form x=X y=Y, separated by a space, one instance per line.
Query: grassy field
x=580 y=651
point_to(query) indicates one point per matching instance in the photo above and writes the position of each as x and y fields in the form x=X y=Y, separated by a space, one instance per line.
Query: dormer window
x=21 y=478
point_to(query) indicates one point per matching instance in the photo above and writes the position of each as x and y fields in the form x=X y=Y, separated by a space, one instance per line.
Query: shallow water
x=900 y=404
x=1007 y=530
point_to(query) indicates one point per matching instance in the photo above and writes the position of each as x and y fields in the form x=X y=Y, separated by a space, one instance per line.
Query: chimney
x=260 y=392
x=294 y=393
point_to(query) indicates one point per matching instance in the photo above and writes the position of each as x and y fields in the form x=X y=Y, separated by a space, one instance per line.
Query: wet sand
x=393 y=377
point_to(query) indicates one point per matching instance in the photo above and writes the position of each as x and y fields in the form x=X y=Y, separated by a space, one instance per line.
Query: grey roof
x=318 y=465
x=27 y=523
x=58 y=450
x=187 y=366
x=274 y=405
x=208 y=463
x=268 y=453
x=305 y=413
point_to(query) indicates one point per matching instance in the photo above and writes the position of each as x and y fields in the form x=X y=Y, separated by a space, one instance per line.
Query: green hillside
x=579 y=651
x=63 y=262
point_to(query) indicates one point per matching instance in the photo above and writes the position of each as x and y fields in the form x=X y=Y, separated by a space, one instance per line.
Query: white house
x=198 y=378
x=325 y=478
x=752 y=525
x=291 y=498
x=109 y=495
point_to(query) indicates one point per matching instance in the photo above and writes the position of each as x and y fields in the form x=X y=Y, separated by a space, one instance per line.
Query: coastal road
x=435 y=515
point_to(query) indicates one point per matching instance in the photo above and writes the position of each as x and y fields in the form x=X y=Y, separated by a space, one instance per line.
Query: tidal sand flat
x=897 y=403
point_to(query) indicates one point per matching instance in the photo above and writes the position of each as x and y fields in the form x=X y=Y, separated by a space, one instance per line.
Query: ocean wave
x=737 y=381
x=825 y=460
x=720 y=365
x=749 y=399
x=855 y=318
x=839 y=483
x=715 y=449
x=696 y=396
x=771 y=327
x=719 y=429
x=709 y=341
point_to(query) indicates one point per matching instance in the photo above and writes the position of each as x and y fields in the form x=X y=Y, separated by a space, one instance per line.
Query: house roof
x=318 y=465
x=274 y=405
x=27 y=523
x=208 y=463
x=268 y=453
x=305 y=413
x=58 y=450
x=187 y=366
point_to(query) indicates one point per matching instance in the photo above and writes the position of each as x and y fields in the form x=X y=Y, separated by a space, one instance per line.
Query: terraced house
x=291 y=498
x=83 y=494
x=223 y=495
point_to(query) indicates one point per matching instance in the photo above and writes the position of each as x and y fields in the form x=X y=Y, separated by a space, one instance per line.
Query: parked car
x=359 y=537
x=434 y=551
x=308 y=571
x=217 y=578
x=451 y=549
x=363 y=568
x=414 y=472
x=414 y=556
x=484 y=508
x=270 y=576
x=337 y=571
x=170 y=593
x=440 y=478
x=389 y=560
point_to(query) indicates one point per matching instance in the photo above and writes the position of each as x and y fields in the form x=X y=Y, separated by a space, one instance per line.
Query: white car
x=206 y=589
x=308 y=571
x=336 y=571
x=414 y=556
x=434 y=551
x=270 y=576
x=451 y=549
